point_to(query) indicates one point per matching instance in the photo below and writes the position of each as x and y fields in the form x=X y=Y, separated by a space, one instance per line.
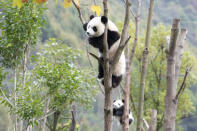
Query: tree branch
x=97 y=58
x=144 y=68
x=136 y=32
x=124 y=37
x=73 y=123
x=79 y=12
x=181 y=89
x=7 y=99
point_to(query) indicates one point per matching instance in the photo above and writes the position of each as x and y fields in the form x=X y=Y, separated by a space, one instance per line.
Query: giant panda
x=118 y=110
x=95 y=32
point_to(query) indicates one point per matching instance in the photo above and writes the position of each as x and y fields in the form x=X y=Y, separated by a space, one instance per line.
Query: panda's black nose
x=88 y=33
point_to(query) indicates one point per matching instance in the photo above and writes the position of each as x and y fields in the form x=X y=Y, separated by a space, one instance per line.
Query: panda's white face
x=117 y=103
x=95 y=27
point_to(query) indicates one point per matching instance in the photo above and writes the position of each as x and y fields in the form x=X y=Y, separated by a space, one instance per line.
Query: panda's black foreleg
x=100 y=69
x=116 y=80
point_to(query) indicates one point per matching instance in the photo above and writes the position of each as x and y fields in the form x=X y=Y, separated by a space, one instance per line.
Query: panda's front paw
x=100 y=76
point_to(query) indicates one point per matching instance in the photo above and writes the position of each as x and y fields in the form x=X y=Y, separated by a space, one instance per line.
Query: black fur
x=119 y=113
x=91 y=17
x=100 y=70
x=85 y=26
x=121 y=121
x=97 y=42
x=116 y=80
x=104 y=19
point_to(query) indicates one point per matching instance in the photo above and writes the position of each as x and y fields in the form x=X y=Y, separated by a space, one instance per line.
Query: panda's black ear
x=91 y=17
x=85 y=26
x=123 y=100
x=104 y=19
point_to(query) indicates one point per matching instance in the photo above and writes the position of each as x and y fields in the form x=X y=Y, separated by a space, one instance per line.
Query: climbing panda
x=118 y=109
x=95 y=32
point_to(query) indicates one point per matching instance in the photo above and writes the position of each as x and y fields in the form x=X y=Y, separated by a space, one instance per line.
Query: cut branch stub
x=173 y=38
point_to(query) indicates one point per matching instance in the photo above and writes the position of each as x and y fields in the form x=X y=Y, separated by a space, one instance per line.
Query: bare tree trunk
x=179 y=52
x=25 y=55
x=174 y=56
x=153 y=120
x=73 y=123
x=45 y=112
x=129 y=58
x=107 y=78
x=144 y=68
x=15 y=97
x=55 y=120
x=170 y=106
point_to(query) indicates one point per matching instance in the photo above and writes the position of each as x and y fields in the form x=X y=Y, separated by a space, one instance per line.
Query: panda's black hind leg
x=116 y=80
x=100 y=70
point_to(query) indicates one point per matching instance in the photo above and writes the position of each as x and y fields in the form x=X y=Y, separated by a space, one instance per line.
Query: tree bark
x=144 y=68
x=55 y=119
x=15 y=97
x=127 y=85
x=25 y=55
x=129 y=57
x=45 y=112
x=153 y=120
x=107 y=78
x=73 y=123
x=179 y=52
x=9 y=122
x=170 y=105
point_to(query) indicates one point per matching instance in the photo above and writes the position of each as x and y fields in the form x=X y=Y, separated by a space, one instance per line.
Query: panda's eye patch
x=95 y=29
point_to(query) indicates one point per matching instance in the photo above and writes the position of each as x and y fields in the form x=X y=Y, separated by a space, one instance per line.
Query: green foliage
x=29 y=103
x=19 y=27
x=57 y=77
x=65 y=82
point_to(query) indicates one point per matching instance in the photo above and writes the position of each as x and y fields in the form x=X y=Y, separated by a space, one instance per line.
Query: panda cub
x=118 y=109
x=95 y=32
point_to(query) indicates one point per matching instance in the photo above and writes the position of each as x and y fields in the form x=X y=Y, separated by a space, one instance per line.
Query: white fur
x=96 y=21
x=117 y=104
x=131 y=117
